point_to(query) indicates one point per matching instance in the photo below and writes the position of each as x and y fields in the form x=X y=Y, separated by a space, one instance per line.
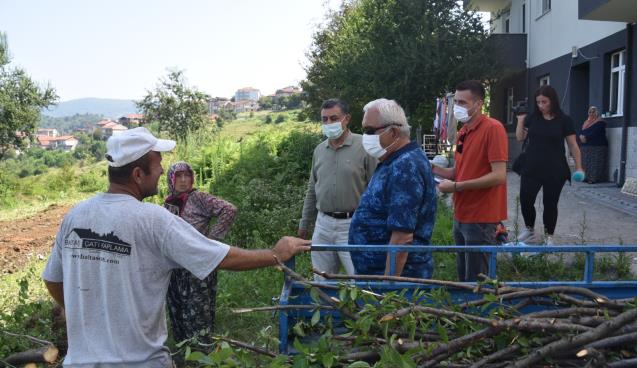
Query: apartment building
x=585 y=49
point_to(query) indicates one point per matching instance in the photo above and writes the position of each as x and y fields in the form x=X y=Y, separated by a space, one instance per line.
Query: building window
x=617 y=72
x=544 y=80
x=543 y=7
x=509 y=106
x=507 y=22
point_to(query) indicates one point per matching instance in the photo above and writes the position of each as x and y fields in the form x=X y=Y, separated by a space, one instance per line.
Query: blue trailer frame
x=611 y=289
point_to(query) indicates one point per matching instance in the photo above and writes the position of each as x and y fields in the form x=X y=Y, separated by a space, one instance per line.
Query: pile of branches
x=352 y=327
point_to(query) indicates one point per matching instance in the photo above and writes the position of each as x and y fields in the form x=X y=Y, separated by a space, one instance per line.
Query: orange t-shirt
x=484 y=143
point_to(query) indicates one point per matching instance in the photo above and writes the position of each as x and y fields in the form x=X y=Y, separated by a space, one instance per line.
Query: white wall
x=555 y=33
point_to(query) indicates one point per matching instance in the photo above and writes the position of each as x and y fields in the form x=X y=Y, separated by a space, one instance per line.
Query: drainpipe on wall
x=628 y=81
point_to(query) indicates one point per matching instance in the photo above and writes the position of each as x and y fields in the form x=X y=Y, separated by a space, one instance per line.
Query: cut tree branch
x=573 y=342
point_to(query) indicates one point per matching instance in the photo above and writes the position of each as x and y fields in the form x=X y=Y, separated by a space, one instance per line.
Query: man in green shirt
x=340 y=172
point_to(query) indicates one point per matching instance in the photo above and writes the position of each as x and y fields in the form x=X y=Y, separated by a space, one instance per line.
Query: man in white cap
x=113 y=255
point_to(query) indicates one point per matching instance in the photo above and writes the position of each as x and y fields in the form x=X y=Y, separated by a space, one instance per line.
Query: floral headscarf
x=175 y=202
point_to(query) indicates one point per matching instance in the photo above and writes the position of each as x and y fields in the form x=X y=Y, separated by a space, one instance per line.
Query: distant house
x=286 y=91
x=112 y=128
x=217 y=104
x=65 y=142
x=245 y=106
x=49 y=132
x=247 y=93
x=132 y=120
x=100 y=124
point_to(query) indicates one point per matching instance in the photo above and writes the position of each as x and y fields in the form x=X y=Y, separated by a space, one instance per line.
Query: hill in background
x=67 y=124
x=107 y=107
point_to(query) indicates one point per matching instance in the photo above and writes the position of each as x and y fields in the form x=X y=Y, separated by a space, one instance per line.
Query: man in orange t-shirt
x=478 y=180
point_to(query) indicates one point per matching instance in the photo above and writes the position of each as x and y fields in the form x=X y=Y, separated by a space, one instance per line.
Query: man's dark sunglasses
x=460 y=143
x=373 y=130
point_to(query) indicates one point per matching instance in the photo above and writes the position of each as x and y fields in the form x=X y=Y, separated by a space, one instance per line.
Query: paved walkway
x=592 y=213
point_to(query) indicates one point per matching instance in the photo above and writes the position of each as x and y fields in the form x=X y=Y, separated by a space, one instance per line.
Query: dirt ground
x=29 y=237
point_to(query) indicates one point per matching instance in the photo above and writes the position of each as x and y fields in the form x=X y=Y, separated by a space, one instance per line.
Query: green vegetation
x=178 y=109
x=262 y=168
x=25 y=308
x=411 y=51
x=21 y=100
x=41 y=177
x=67 y=124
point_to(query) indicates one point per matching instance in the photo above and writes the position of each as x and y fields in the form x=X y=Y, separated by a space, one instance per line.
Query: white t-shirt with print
x=114 y=255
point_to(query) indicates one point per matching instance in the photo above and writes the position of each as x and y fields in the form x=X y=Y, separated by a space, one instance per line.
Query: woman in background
x=594 y=147
x=191 y=302
x=545 y=166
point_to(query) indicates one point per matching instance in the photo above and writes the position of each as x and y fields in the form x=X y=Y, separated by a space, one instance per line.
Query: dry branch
x=280 y=307
x=326 y=298
x=570 y=342
x=450 y=284
x=240 y=344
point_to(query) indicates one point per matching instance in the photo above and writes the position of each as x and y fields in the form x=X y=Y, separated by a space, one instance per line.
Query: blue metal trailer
x=295 y=293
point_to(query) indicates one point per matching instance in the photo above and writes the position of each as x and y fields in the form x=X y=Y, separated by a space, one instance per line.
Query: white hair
x=390 y=113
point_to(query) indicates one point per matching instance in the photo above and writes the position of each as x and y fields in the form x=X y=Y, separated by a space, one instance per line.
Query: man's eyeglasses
x=460 y=143
x=373 y=130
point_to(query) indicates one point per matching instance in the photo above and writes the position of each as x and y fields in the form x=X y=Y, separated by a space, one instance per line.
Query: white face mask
x=461 y=113
x=333 y=130
x=371 y=144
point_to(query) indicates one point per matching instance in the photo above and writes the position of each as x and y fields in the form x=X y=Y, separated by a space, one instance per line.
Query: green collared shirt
x=338 y=178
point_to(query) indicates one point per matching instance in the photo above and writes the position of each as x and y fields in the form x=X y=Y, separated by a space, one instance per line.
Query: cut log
x=44 y=354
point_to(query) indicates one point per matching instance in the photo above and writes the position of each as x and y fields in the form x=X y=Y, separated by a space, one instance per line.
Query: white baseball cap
x=132 y=144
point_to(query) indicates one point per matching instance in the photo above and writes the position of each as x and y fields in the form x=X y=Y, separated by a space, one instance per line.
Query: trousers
x=471 y=264
x=329 y=230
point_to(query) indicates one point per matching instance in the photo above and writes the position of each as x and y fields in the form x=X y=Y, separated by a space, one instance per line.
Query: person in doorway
x=594 y=147
x=340 y=172
x=478 y=179
x=113 y=256
x=399 y=205
x=190 y=301
x=545 y=166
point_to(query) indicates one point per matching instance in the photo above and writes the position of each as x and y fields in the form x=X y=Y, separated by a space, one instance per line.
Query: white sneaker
x=548 y=240
x=528 y=236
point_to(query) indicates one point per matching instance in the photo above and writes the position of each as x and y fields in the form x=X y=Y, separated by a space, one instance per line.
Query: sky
x=121 y=48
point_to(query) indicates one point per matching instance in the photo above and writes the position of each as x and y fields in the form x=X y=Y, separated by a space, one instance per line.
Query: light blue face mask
x=333 y=130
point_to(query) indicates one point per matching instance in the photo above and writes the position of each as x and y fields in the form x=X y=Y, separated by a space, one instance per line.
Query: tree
x=21 y=100
x=265 y=102
x=178 y=109
x=407 y=50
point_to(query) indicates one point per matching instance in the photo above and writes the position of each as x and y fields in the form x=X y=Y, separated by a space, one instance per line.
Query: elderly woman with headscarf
x=191 y=302
x=594 y=147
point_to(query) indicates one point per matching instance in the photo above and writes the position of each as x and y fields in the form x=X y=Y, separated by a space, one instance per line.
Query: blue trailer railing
x=611 y=289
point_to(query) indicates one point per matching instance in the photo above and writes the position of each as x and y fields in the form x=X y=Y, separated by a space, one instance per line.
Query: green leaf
x=195 y=356
x=342 y=294
x=328 y=360
x=298 y=329
x=442 y=332
x=316 y=317
x=315 y=295
x=359 y=364
x=299 y=347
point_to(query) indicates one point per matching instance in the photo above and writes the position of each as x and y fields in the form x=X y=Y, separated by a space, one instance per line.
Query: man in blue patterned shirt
x=399 y=205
